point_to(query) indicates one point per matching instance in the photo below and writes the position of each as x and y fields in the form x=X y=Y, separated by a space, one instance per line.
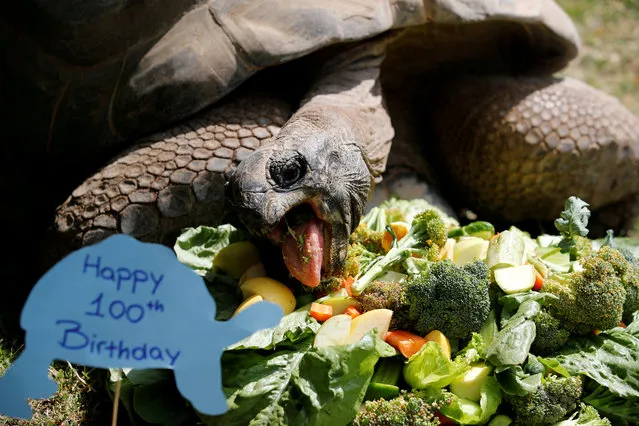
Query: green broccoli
x=451 y=299
x=408 y=409
x=427 y=230
x=592 y=298
x=357 y=259
x=387 y=295
x=368 y=238
x=586 y=416
x=628 y=273
x=553 y=399
x=550 y=334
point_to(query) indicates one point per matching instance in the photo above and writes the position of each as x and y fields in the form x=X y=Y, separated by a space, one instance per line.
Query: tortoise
x=199 y=112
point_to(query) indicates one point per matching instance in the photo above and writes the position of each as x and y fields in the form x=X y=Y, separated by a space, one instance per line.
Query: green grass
x=609 y=61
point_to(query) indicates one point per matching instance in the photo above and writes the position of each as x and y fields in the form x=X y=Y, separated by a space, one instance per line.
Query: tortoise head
x=306 y=190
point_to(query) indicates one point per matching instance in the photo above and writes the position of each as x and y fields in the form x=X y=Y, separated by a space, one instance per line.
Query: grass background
x=609 y=61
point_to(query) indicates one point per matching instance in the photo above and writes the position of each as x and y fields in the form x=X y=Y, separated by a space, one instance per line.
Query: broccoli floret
x=427 y=230
x=550 y=334
x=582 y=247
x=387 y=295
x=628 y=273
x=586 y=416
x=357 y=259
x=408 y=409
x=451 y=299
x=553 y=399
x=370 y=239
x=589 y=299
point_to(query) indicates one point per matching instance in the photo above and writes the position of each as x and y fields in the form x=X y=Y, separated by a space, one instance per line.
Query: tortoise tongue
x=303 y=253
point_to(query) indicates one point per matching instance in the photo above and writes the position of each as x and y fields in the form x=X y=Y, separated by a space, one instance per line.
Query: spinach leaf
x=301 y=385
x=611 y=359
x=511 y=345
x=613 y=406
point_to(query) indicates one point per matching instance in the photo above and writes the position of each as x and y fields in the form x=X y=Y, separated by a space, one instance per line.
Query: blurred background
x=610 y=56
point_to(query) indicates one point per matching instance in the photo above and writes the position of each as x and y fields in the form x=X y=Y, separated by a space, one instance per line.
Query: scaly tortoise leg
x=518 y=147
x=168 y=180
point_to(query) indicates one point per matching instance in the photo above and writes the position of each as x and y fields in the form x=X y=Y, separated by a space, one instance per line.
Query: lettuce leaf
x=430 y=367
x=301 y=385
x=466 y=412
x=196 y=247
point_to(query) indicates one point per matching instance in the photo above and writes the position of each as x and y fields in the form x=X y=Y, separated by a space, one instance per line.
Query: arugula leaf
x=292 y=328
x=574 y=219
x=301 y=385
x=573 y=222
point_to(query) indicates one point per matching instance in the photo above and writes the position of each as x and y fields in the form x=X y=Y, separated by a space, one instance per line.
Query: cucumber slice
x=515 y=279
x=480 y=229
x=381 y=390
x=507 y=249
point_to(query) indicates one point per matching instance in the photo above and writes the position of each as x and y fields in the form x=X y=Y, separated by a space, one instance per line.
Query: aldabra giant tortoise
x=466 y=87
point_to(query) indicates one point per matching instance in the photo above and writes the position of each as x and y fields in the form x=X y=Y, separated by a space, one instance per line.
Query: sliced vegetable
x=469 y=250
x=439 y=338
x=539 y=281
x=352 y=311
x=506 y=249
x=405 y=342
x=376 y=319
x=320 y=311
x=516 y=279
x=236 y=258
x=253 y=271
x=248 y=302
x=271 y=290
x=400 y=229
x=469 y=385
x=334 y=331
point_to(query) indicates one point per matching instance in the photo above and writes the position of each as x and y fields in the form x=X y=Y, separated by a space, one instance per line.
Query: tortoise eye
x=287 y=168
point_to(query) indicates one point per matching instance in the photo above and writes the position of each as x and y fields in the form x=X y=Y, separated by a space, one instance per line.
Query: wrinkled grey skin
x=324 y=169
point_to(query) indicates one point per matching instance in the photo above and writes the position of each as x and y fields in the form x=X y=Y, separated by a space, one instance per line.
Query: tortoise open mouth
x=306 y=243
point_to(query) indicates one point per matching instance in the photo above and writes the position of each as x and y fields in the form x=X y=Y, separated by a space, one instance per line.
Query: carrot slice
x=321 y=312
x=539 y=281
x=352 y=311
x=347 y=283
x=405 y=342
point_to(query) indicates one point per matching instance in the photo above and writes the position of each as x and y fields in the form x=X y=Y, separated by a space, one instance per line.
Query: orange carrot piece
x=405 y=342
x=622 y=324
x=539 y=281
x=347 y=283
x=352 y=311
x=321 y=312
